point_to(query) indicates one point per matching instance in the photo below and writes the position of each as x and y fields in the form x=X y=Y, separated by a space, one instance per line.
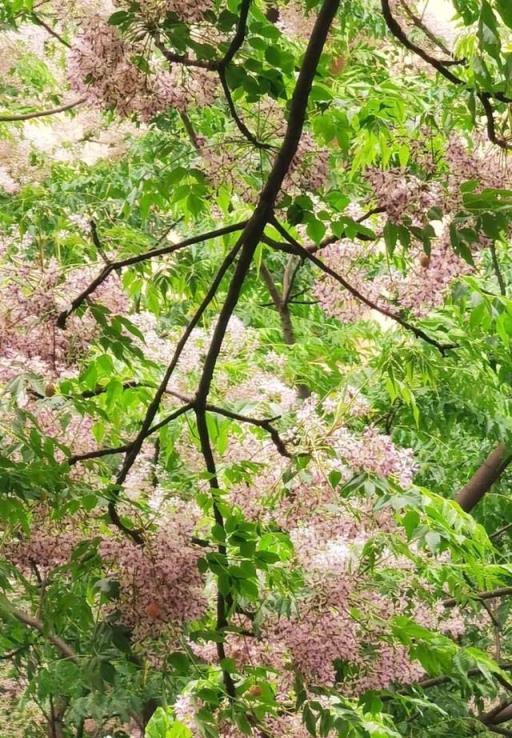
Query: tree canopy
x=255 y=368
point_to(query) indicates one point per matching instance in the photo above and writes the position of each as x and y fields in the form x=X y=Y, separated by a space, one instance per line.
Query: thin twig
x=500 y=531
x=50 y=30
x=234 y=114
x=443 y=679
x=418 y=332
x=139 y=258
x=36 y=624
x=418 y=22
x=497 y=269
x=479 y=596
x=10 y=117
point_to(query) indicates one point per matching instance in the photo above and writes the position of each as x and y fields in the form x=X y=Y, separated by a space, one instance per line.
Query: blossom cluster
x=33 y=296
x=101 y=68
x=160 y=584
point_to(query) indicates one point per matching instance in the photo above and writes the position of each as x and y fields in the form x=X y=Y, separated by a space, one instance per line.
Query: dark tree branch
x=287 y=248
x=239 y=37
x=418 y=332
x=97 y=242
x=283 y=310
x=502 y=717
x=234 y=114
x=223 y=603
x=489 y=716
x=98 y=453
x=442 y=67
x=445 y=678
x=293 y=265
x=146 y=426
x=187 y=124
x=249 y=240
x=50 y=30
x=480 y=596
x=183 y=59
x=8 y=117
x=6 y=609
x=253 y=231
x=132 y=450
x=265 y=423
x=131 y=260
x=168 y=419
x=500 y=531
x=398 y=32
x=491 y=125
x=12 y=654
x=497 y=269
x=484 y=477
x=219 y=66
x=418 y=22
x=501 y=731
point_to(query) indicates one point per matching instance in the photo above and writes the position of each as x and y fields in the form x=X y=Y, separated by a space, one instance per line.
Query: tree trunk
x=484 y=477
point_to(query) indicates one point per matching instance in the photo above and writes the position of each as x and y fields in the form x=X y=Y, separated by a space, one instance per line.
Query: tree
x=255 y=366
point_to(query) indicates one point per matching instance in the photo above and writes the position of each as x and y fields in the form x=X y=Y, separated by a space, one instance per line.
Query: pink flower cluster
x=376 y=453
x=187 y=11
x=309 y=169
x=404 y=195
x=429 y=278
x=160 y=584
x=101 y=68
x=33 y=296
x=421 y=289
x=48 y=546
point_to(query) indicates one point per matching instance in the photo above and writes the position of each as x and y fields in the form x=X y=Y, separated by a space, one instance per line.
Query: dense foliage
x=255 y=368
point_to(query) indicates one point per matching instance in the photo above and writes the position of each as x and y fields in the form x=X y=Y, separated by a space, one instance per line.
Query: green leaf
x=315 y=230
x=504 y=8
x=488 y=31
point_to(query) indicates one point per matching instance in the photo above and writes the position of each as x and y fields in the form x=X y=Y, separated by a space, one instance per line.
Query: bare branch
x=139 y=258
x=290 y=273
x=98 y=453
x=219 y=66
x=480 y=596
x=493 y=137
x=439 y=680
x=187 y=124
x=6 y=609
x=442 y=67
x=327 y=241
x=489 y=716
x=183 y=59
x=497 y=268
x=152 y=409
x=10 y=117
x=223 y=603
x=418 y=22
x=398 y=32
x=249 y=240
x=239 y=37
x=265 y=423
x=254 y=229
x=283 y=310
x=500 y=531
x=50 y=30
x=97 y=242
x=501 y=731
x=418 y=332
x=234 y=114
